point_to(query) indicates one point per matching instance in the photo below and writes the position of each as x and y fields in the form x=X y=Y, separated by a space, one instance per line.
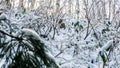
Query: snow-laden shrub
x=23 y=49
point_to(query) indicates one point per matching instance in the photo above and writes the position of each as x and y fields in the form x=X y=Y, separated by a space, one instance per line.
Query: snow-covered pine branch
x=28 y=33
x=38 y=46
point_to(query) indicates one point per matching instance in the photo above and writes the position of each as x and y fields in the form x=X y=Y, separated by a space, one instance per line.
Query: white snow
x=28 y=33
x=107 y=45
x=2 y=62
x=65 y=40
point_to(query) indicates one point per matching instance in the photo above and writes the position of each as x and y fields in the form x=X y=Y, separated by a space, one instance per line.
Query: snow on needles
x=28 y=33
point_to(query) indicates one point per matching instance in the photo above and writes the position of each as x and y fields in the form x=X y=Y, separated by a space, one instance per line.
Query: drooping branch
x=5 y=33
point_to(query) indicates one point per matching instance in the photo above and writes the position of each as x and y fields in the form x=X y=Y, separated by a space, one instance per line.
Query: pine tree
x=24 y=50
